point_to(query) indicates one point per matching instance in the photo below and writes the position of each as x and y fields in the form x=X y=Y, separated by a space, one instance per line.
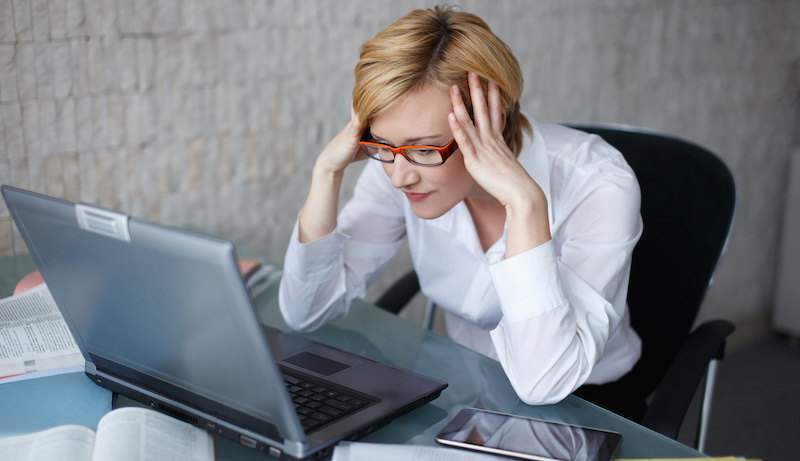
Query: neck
x=489 y=218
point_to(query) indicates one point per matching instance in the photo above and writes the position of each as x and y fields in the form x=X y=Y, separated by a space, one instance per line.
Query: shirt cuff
x=528 y=283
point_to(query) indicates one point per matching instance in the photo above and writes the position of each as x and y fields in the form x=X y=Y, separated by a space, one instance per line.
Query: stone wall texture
x=209 y=113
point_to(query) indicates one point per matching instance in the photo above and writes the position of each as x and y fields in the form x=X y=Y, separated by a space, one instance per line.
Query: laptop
x=162 y=316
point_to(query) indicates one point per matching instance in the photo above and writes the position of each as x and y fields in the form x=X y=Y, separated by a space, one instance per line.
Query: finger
x=463 y=139
x=354 y=114
x=496 y=111
x=355 y=121
x=460 y=111
x=355 y=129
x=353 y=132
x=480 y=110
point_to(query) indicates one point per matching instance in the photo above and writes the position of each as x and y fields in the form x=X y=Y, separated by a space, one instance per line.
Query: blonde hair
x=437 y=47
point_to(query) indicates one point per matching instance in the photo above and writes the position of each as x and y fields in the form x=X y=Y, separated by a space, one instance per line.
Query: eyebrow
x=408 y=142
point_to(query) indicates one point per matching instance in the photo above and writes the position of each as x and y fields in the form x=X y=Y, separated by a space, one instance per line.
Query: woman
x=521 y=231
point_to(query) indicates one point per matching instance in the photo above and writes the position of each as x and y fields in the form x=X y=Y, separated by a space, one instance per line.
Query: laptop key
x=338 y=404
x=310 y=423
x=305 y=411
x=289 y=379
x=314 y=404
x=330 y=411
x=322 y=417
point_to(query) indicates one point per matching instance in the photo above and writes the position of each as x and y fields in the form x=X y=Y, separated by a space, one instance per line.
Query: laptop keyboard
x=318 y=405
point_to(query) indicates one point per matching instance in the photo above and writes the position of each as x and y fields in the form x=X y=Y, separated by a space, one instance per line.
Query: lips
x=417 y=197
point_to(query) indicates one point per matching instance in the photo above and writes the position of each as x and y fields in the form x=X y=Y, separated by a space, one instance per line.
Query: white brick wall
x=210 y=114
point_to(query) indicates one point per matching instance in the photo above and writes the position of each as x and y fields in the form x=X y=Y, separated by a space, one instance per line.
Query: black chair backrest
x=688 y=201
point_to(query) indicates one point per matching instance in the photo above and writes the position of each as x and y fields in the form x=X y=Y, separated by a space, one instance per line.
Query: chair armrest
x=400 y=293
x=674 y=394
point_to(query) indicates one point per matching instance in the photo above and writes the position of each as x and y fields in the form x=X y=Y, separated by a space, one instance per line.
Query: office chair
x=688 y=201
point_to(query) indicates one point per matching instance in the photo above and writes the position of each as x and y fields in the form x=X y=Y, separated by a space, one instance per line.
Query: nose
x=402 y=172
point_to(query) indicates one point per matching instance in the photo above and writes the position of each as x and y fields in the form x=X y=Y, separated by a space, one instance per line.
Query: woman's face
x=421 y=119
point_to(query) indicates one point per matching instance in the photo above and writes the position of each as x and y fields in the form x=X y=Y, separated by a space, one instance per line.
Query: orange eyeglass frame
x=445 y=151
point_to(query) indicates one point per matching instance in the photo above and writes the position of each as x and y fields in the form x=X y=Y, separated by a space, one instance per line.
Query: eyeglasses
x=416 y=155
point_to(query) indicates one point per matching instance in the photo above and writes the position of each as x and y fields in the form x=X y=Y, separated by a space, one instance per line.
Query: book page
x=140 y=434
x=65 y=443
x=34 y=335
x=363 y=451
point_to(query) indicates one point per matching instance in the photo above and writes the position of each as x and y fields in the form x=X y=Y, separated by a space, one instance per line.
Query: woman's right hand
x=343 y=149
x=318 y=216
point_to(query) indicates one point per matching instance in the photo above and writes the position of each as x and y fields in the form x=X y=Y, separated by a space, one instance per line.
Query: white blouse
x=554 y=316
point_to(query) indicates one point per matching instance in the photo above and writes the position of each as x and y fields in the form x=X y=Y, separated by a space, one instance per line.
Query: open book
x=131 y=433
x=34 y=336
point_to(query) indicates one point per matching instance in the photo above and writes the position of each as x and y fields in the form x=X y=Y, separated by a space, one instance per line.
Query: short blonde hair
x=437 y=47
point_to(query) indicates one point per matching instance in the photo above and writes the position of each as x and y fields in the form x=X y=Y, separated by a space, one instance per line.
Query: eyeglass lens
x=417 y=155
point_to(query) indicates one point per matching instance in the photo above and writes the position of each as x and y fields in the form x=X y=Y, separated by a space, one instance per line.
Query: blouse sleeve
x=323 y=277
x=564 y=300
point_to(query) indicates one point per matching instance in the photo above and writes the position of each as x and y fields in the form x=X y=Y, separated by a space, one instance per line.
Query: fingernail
x=451 y=116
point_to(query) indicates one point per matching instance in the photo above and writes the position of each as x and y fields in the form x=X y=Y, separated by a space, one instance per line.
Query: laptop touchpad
x=317 y=364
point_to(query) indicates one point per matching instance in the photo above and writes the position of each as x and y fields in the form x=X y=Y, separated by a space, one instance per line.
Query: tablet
x=528 y=438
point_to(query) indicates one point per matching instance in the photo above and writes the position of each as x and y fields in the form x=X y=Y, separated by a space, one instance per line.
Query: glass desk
x=474 y=381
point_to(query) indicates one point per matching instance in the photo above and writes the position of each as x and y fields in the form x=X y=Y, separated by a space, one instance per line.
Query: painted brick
x=79 y=62
x=30 y=128
x=71 y=177
x=66 y=125
x=40 y=19
x=8 y=72
x=7 y=32
x=57 y=15
x=62 y=69
x=133 y=116
x=53 y=168
x=15 y=139
x=166 y=16
x=6 y=234
x=5 y=177
x=145 y=54
x=88 y=174
x=26 y=71
x=17 y=173
x=23 y=24
x=128 y=17
x=84 y=123
x=75 y=18
x=48 y=128
x=45 y=88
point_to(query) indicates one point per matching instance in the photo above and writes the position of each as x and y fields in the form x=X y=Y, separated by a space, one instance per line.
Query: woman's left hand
x=487 y=157
x=493 y=165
